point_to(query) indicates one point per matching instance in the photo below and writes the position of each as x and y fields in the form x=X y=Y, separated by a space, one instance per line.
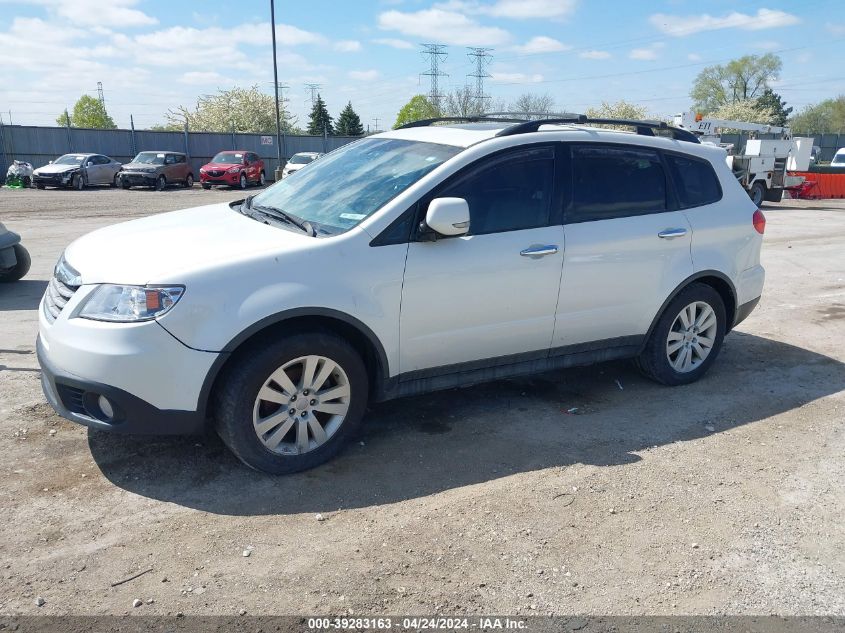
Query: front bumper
x=78 y=401
x=52 y=180
x=223 y=179
x=135 y=179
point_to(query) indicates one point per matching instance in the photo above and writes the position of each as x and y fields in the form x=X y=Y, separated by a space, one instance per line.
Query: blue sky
x=151 y=55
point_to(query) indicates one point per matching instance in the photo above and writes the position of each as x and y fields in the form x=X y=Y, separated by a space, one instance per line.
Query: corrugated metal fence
x=39 y=145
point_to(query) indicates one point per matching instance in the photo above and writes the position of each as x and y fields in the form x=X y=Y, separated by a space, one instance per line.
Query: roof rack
x=459 y=119
x=643 y=128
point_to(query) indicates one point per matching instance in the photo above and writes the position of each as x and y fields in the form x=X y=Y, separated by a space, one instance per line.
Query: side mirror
x=89 y=163
x=49 y=162
x=448 y=216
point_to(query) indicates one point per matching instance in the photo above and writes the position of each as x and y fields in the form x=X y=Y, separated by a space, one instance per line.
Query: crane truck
x=760 y=166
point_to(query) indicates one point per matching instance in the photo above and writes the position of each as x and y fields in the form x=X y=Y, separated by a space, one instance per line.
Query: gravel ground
x=723 y=497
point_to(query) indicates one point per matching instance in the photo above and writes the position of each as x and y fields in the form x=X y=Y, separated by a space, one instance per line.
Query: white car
x=838 y=158
x=418 y=259
x=298 y=161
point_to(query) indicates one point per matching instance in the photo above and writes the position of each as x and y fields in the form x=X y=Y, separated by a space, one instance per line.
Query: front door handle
x=670 y=233
x=539 y=251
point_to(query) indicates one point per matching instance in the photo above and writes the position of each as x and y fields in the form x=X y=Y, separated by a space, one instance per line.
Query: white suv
x=418 y=259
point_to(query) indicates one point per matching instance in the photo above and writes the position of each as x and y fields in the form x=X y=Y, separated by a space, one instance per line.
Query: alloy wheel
x=301 y=405
x=691 y=337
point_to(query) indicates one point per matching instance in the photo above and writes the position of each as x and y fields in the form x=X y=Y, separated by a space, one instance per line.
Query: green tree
x=319 y=121
x=770 y=100
x=245 y=109
x=738 y=80
x=349 y=123
x=418 y=108
x=826 y=117
x=88 y=112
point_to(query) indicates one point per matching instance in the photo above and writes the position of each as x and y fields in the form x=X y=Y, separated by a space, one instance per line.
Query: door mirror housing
x=448 y=216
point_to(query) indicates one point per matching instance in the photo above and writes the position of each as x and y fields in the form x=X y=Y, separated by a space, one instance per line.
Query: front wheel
x=27 y=182
x=206 y=186
x=291 y=405
x=20 y=268
x=160 y=183
x=189 y=181
x=262 y=179
x=687 y=337
x=78 y=182
x=39 y=185
x=243 y=181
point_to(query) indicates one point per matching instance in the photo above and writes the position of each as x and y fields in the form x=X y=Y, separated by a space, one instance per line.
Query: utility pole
x=375 y=122
x=436 y=53
x=313 y=88
x=482 y=58
x=276 y=83
x=100 y=94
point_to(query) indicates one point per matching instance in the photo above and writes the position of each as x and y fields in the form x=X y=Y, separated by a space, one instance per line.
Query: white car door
x=490 y=294
x=626 y=248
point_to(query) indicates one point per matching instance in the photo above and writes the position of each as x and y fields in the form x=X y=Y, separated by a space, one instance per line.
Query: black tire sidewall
x=234 y=407
x=243 y=182
x=654 y=359
x=757 y=186
x=161 y=183
x=20 y=269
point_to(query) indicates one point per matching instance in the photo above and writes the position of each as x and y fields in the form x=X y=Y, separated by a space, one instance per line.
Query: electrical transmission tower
x=313 y=88
x=436 y=54
x=100 y=94
x=482 y=59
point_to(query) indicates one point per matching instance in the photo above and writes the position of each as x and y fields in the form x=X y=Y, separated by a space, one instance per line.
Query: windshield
x=69 y=159
x=839 y=159
x=300 y=159
x=149 y=158
x=232 y=159
x=353 y=182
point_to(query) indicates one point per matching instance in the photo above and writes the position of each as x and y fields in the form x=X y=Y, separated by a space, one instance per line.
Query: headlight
x=233 y=170
x=127 y=304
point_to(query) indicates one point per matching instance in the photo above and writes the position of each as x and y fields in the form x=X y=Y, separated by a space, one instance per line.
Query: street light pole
x=276 y=86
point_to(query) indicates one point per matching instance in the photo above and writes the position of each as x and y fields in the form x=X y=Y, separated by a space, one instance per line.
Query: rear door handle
x=670 y=233
x=539 y=251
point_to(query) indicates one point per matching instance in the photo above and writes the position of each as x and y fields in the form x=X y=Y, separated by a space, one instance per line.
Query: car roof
x=307 y=154
x=160 y=151
x=467 y=134
x=235 y=151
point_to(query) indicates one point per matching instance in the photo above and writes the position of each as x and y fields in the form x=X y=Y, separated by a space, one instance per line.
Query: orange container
x=826 y=186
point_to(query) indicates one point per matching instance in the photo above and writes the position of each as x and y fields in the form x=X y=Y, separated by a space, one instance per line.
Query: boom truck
x=761 y=166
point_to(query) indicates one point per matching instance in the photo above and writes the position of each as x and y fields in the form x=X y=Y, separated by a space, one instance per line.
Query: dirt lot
x=727 y=496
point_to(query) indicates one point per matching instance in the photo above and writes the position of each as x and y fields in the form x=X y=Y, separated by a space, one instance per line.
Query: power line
x=436 y=53
x=313 y=88
x=483 y=58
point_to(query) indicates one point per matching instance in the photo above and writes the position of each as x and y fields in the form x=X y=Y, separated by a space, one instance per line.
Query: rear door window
x=612 y=181
x=696 y=184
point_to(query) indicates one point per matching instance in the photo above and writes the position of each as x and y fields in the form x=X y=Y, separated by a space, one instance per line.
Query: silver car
x=78 y=171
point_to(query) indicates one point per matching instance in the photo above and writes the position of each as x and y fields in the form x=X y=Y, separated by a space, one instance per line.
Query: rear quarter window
x=696 y=183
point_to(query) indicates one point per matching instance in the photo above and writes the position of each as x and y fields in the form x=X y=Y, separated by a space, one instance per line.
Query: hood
x=131 y=166
x=295 y=166
x=221 y=165
x=55 y=169
x=167 y=248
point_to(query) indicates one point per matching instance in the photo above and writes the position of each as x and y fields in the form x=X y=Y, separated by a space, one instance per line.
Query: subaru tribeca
x=423 y=258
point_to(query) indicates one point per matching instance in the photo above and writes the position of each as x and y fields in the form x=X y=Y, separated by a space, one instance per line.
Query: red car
x=237 y=168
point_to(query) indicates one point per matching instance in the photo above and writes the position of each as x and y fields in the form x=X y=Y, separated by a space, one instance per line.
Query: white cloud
x=96 y=12
x=516 y=78
x=681 y=25
x=594 y=55
x=836 y=29
x=694 y=57
x=363 y=75
x=541 y=44
x=347 y=46
x=514 y=9
x=200 y=78
x=767 y=45
x=648 y=53
x=443 y=26
x=394 y=43
x=804 y=57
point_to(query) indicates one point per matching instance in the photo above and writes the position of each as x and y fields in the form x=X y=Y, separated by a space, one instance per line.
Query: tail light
x=759 y=221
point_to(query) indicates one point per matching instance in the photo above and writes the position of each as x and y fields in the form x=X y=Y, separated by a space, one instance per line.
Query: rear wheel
x=20 y=269
x=757 y=193
x=292 y=404
x=161 y=183
x=687 y=337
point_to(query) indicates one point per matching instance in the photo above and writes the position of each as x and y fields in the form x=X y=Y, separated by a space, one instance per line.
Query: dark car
x=236 y=168
x=157 y=169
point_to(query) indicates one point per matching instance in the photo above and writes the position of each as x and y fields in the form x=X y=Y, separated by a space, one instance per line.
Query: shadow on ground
x=22 y=295
x=423 y=445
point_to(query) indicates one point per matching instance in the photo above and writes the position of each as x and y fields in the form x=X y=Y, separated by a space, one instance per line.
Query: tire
x=39 y=185
x=237 y=408
x=206 y=186
x=20 y=269
x=116 y=180
x=242 y=183
x=757 y=193
x=78 y=182
x=189 y=181
x=161 y=183
x=27 y=182
x=125 y=183
x=656 y=361
x=262 y=179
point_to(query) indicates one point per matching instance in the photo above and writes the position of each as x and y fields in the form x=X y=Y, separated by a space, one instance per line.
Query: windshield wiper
x=284 y=216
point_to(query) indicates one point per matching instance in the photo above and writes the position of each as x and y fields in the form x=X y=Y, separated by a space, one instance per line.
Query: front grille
x=215 y=172
x=56 y=297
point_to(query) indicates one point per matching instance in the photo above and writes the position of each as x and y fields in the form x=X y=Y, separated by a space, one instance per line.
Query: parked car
x=14 y=258
x=838 y=158
x=237 y=168
x=412 y=260
x=78 y=171
x=157 y=169
x=298 y=161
